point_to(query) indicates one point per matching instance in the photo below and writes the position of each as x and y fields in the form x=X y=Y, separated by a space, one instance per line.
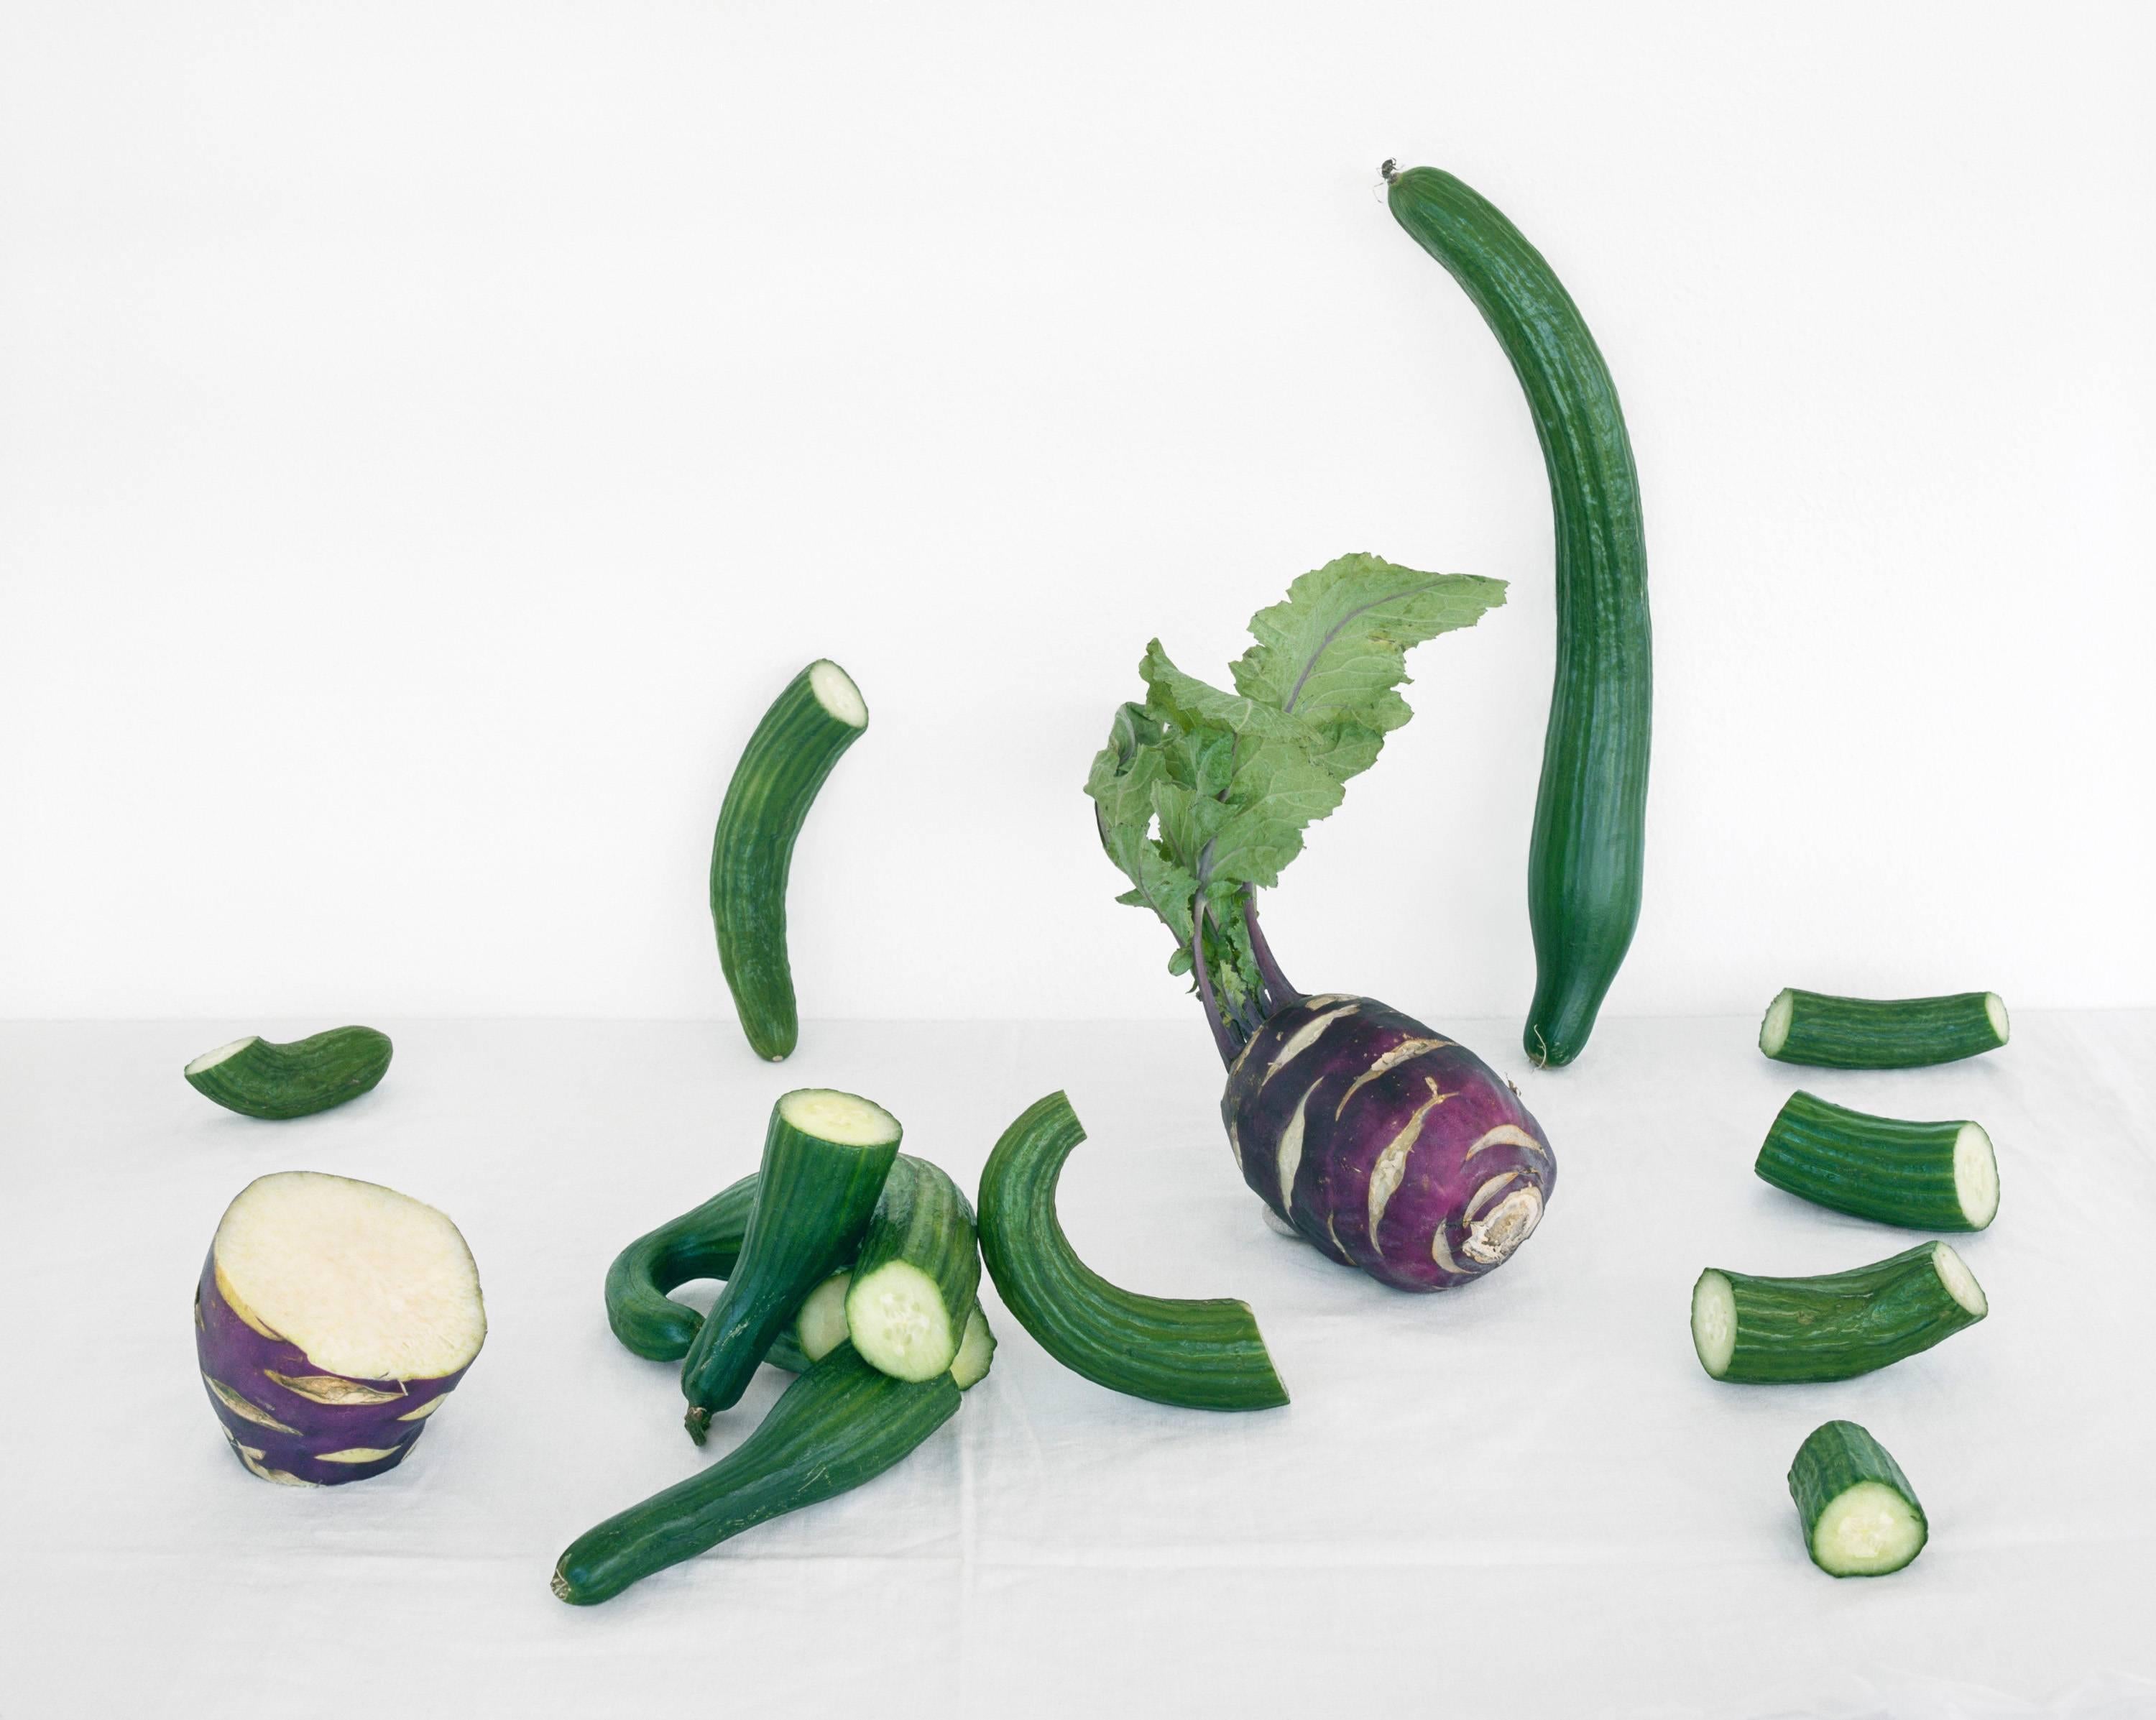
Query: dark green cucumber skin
x=1828 y=1032
x=923 y=1219
x=1836 y=1456
x=1799 y=1330
x=840 y=1424
x=1870 y=1166
x=703 y=1243
x=1196 y=1355
x=319 y=1073
x=813 y=1201
x=774 y=786
x=1587 y=858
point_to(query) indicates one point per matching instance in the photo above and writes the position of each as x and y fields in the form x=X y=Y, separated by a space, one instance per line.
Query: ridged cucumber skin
x=1195 y=1355
x=840 y=1424
x=1587 y=857
x=1827 y=1032
x=703 y=1243
x=774 y=786
x=1879 y=1167
x=1803 y=1331
x=277 y=1082
x=1836 y=1456
x=925 y=1220
x=813 y=1201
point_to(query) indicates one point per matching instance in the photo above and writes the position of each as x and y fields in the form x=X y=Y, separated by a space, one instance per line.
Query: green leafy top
x=1204 y=795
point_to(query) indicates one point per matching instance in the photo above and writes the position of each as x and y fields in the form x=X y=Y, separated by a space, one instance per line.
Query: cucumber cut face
x=897 y=1320
x=844 y=1119
x=1714 y=1321
x=1976 y=1176
x=820 y=1327
x=1959 y=1282
x=1774 y=1030
x=835 y=691
x=210 y=1060
x=1995 y=1008
x=1867 y=1531
x=977 y=1352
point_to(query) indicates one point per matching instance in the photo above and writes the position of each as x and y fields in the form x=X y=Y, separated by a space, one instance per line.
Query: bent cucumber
x=1786 y=1331
x=1858 y=1513
x=914 y=1280
x=1927 y=1176
x=702 y=1243
x=1876 y=1033
x=258 y=1078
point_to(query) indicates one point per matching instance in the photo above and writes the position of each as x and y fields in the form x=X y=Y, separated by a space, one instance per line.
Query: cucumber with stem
x=259 y=1078
x=816 y=718
x=825 y=1157
x=1788 y=1331
x=1587 y=856
x=1828 y=1032
x=702 y=1243
x=914 y=1280
x=1926 y=1176
x=1858 y=1513
x=1197 y=1355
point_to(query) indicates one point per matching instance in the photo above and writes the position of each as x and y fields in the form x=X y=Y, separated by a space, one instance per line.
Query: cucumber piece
x=1859 y=1515
x=819 y=715
x=1197 y=1355
x=1875 y=1032
x=1928 y=1176
x=820 y=1327
x=1587 y=857
x=703 y=1243
x=840 y=1424
x=915 y=1277
x=1782 y=1331
x=256 y=1078
x=825 y=1157
x=977 y=1352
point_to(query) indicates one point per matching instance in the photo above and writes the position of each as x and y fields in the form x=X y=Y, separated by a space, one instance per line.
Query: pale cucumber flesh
x=899 y=1323
x=820 y=1327
x=1867 y=1530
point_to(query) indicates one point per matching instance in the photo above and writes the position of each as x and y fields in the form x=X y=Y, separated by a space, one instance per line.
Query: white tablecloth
x=1520 y=1499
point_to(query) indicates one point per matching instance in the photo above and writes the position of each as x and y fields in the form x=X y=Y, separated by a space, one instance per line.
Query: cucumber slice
x=1869 y=1033
x=977 y=1352
x=1928 y=1176
x=1859 y=1515
x=1782 y=1331
x=257 y=1078
x=820 y=1327
x=915 y=1274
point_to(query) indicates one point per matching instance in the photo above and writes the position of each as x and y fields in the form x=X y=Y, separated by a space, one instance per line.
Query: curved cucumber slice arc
x=1858 y=1513
x=825 y=1157
x=915 y=1278
x=1587 y=857
x=257 y=1078
x=1787 y=1330
x=1877 y=1033
x=840 y=1424
x=820 y=714
x=1197 y=1355
x=977 y=1352
x=1928 y=1176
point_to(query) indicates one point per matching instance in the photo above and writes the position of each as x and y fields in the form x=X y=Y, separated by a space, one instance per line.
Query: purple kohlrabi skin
x=287 y=1419
x=1386 y=1144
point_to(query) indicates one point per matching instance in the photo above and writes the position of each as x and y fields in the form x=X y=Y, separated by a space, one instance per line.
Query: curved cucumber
x=825 y=1157
x=819 y=715
x=840 y=1424
x=1586 y=859
x=1871 y=1033
x=703 y=1243
x=1788 y=1331
x=256 y=1078
x=914 y=1281
x=1928 y=1176
x=1197 y=1355
x=1859 y=1515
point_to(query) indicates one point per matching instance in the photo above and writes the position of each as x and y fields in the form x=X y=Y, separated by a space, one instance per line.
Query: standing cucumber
x=1871 y=1033
x=1928 y=1176
x=825 y=1157
x=1789 y=1330
x=914 y=1281
x=820 y=714
x=1859 y=1515
x=256 y=1078
x=1585 y=861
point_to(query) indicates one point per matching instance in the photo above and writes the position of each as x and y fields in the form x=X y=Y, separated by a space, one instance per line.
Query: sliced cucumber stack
x=1927 y=1176
x=1784 y=1330
x=914 y=1280
x=1859 y=1515
x=258 y=1078
x=1870 y=1033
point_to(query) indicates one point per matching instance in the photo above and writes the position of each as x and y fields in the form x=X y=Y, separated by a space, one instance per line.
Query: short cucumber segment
x=1786 y=1331
x=815 y=719
x=257 y=1078
x=915 y=1277
x=1197 y=1355
x=1927 y=1176
x=1827 y=1032
x=1859 y=1514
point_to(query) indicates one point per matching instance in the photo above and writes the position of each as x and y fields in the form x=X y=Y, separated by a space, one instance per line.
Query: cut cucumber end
x=1976 y=1176
x=977 y=1352
x=820 y=1327
x=898 y=1322
x=835 y=691
x=1774 y=1030
x=210 y=1060
x=1960 y=1281
x=1867 y=1531
x=1994 y=1009
x=843 y=1119
x=1714 y=1322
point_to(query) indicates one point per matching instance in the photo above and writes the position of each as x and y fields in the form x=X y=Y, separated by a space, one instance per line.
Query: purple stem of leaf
x=1224 y=1036
x=1278 y=993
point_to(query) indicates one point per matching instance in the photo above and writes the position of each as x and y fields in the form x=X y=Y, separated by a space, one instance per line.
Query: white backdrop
x=430 y=433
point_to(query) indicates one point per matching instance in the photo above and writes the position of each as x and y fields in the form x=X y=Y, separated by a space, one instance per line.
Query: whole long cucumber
x=1588 y=854
x=1788 y=1331
x=1928 y=1176
x=258 y=1078
x=816 y=718
x=702 y=1243
x=1859 y=1515
x=1881 y=1033
x=840 y=1424
x=1197 y=1355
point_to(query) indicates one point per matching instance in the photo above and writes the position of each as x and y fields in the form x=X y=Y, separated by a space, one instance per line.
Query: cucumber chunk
x=1859 y=1514
x=914 y=1278
x=1786 y=1330
x=1871 y=1033
x=1928 y=1176
x=259 y=1078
